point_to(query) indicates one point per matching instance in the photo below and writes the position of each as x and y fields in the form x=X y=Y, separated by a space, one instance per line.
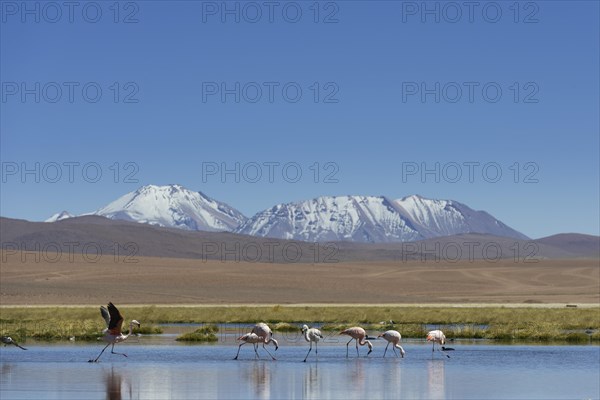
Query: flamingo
x=255 y=340
x=393 y=337
x=357 y=333
x=438 y=337
x=262 y=330
x=8 y=340
x=311 y=335
x=113 y=334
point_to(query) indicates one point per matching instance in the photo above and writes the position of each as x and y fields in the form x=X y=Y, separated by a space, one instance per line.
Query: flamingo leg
x=309 y=349
x=268 y=352
x=385 y=351
x=256 y=351
x=96 y=360
x=357 y=353
x=316 y=347
x=440 y=350
x=347 y=347
x=239 y=348
x=112 y=351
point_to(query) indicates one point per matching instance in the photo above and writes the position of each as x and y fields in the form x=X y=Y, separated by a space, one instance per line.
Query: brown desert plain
x=158 y=280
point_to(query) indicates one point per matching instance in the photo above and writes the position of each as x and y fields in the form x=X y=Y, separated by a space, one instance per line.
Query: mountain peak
x=60 y=216
x=449 y=217
x=372 y=219
x=173 y=206
x=333 y=218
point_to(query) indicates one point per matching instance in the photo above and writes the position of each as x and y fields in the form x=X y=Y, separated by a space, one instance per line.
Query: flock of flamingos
x=260 y=334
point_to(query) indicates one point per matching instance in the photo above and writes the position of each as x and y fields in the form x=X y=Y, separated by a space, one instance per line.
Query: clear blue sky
x=372 y=60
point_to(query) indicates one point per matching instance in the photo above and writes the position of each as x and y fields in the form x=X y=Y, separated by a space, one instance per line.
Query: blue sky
x=161 y=118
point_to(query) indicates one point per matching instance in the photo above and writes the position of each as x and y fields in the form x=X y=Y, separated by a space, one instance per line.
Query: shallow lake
x=160 y=368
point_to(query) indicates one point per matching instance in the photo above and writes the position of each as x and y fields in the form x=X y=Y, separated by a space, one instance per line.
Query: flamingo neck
x=130 y=330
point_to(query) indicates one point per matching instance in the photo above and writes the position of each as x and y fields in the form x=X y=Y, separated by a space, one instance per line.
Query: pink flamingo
x=255 y=340
x=357 y=333
x=438 y=337
x=262 y=330
x=113 y=334
x=393 y=337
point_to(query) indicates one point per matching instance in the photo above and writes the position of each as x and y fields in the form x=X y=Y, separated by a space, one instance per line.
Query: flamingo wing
x=116 y=320
x=250 y=338
x=105 y=314
x=355 y=332
x=262 y=329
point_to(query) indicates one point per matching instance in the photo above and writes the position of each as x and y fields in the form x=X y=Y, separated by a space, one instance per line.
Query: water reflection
x=259 y=375
x=392 y=383
x=6 y=374
x=436 y=379
x=355 y=375
x=114 y=384
x=311 y=387
x=478 y=371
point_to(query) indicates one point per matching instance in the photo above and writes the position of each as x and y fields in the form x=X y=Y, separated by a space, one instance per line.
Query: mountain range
x=363 y=219
x=130 y=240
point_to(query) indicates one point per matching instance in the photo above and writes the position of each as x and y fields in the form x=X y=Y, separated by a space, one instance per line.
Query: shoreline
x=538 y=322
x=321 y=305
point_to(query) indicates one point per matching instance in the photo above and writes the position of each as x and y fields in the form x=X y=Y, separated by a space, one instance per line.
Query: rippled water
x=159 y=368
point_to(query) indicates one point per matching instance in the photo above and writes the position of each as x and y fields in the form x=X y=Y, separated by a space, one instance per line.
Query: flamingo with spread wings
x=112 y=333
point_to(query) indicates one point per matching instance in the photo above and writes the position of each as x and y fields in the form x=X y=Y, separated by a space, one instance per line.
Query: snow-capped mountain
x=173 y=206
x=60 y=216
x=368 y=219
x=372 y=219
x=340 y=218
x=449 y=217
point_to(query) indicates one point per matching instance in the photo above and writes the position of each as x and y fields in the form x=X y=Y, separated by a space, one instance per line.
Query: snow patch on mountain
x=333 y=218
x=60 y=216
x=173 y=206
x=449 y=217
x=372 y=219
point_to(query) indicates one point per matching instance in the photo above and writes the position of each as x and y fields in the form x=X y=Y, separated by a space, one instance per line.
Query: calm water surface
x=161 y=369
